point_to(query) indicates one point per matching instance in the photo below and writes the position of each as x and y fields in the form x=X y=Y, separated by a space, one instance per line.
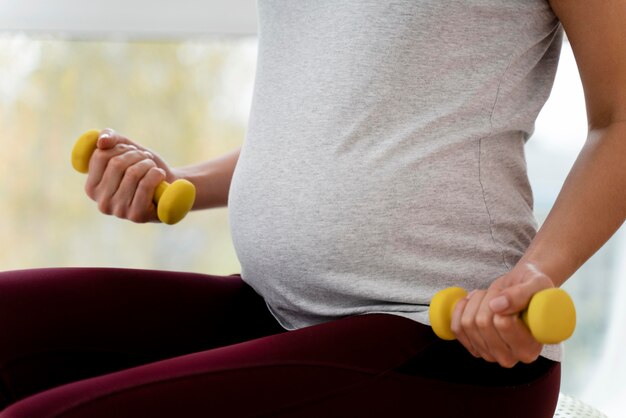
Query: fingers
x=125 y=186
x=99 y=163
x=517 y=297
x=495 y=338
x=109 y=138
x=517 y=337
x=123 y=176
x=118 y=168
x=475 y=325
x=487 y=322
x=458 y=329
x=142 y=208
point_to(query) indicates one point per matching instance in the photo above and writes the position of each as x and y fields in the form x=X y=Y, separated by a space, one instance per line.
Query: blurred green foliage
x=187 y=101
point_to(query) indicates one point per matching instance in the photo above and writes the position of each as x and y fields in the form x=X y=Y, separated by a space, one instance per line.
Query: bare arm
x=591 y=205
x=123 y=177
x=589 y=209
x=212 y=179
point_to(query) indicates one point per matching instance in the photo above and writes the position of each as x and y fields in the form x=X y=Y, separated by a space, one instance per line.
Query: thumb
x=109 y=138
x=516 y=298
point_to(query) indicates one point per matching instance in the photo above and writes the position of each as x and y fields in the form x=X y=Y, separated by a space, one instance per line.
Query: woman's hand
x=487 y=322
x=123 y=176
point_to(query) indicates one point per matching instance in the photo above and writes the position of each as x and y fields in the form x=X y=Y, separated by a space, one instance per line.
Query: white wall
x=135 y=19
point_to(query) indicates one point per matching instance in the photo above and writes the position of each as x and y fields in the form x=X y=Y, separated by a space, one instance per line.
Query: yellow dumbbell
x=550 y=315
x=173 y=200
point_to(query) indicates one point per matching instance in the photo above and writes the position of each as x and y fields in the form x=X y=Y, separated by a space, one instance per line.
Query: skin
x=590 y=207
x=123 y=176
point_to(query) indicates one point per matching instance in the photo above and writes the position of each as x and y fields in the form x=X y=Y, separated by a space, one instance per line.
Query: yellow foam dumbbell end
x=550 y=315
x=84 y=147
x=173 y=201
x=441 y=309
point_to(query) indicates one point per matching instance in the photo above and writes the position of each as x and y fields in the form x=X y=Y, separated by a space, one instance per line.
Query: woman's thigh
x=61 y=325
x=353 y=366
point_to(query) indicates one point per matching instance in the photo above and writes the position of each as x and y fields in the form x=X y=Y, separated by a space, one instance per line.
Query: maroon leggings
x=135 y=343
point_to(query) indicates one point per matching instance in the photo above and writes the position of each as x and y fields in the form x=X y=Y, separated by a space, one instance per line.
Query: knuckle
x=467 y=323
x=90 y=191
x=474 y=353
x=528 y=358
x=119 y=211
x=144 y=187
x=134 y=173
x=105 y=207
x=158 y=173
x=156 y=176
x=133 y=218
x=144 y=166
x=136 y=156
x=98 y=157
x=483 y=321
x=144 y=195
x=507 y=362
x=136 y=217
x=503 y=323
x=148 y=183
x=117 y=162
x=486 y=357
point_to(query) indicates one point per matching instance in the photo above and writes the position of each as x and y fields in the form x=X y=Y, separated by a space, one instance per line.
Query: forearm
x=590 y=207
x=212 y=179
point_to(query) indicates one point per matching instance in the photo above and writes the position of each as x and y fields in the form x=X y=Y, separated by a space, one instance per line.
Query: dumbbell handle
x=173 y=200
x=550 y=315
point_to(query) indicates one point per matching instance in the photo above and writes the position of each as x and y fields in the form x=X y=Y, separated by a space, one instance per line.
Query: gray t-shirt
x=384 y=158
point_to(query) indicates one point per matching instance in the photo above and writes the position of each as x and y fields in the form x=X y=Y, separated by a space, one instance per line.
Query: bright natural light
x=188 y=98
x=592 y=369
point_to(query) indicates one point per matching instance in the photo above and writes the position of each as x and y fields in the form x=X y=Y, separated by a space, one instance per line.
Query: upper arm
x=596 y=30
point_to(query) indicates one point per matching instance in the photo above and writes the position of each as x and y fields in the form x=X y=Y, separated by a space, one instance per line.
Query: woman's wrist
x=211 y=178
x=550 y=261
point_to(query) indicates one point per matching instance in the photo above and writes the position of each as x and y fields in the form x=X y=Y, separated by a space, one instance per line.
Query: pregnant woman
x=384 y=161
